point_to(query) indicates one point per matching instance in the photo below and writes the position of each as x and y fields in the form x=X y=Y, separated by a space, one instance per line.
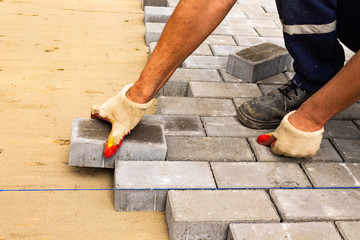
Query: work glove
x=291 y=142
x=123 y=115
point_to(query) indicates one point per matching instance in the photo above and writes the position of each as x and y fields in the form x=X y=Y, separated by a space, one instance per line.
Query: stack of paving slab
x=198 y=163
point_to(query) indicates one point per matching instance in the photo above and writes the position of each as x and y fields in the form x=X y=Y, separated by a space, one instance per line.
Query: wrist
x=304 y=122
x=139 y=94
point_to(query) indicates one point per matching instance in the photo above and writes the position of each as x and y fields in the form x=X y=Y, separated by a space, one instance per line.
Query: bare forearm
x=190 y=24
x=338 y=94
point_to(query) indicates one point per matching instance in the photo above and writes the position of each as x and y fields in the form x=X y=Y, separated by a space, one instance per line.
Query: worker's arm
x=190 y=24
x=300 y=133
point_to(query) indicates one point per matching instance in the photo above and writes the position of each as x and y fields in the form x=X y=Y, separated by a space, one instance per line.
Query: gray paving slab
x=348 y=148
x=212 y=149
x=220 y=40
x=88 y=136
x=145 y=3
x=175 y=89
x=157 y=14
x=341 y=129
x=266 y=88
x=260 y=15
x=349 y=230
x=223 y=90
x=195 y=106
x=248 y=41
x=172 y=3
x=333 y=174
x=225 y=50
x=195 y=75
x=202 y=50
x=229 y=127
x=289 y=74
x=271 y=9
x=351 y=113
x=327 y=153
x=269 y=32
x=232 y=30
x=207 y=62
x=258 y=62
x=284 y=231
x=250 y=6
x=153 y=32
x=317 y=204
x=258 y=175
x=275 y=40
x=357 y=123
x=277 y=80
x=251 y=23
x=207 y=214
x=230 y=78
x=177 y=125
x=143 y=186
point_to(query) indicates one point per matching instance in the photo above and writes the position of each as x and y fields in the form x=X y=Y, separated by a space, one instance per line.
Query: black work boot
x=268 y=111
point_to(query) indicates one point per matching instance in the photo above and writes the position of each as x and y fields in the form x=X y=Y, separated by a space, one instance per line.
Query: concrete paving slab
x=172 y=3
x=177 y=125
x=88 y=136
x=349 y=149
x=225 y=50
x=266 y=89
x=251 y=23
x=207 y=214
x=137 y=182
x=229 y=127
x=195 y=75
x=278 y=79
x=349 y=230
x=220 y=40
x=157 y=14
x=161 y=3
x=223 y=90
x=232 y=30
x=351 y=113
x=230 y=78
x=153 y=32
x=317 y=204
x=275 y=231
x=341 y=129
x=248 y=41
x=202 y=50
x=195 y=106
x=258 y=62
x=212 y=149
x=260 y=15
x=207 y=62
x=258 y=175
x=333 y=174
x=269 y=32
x=327 y=153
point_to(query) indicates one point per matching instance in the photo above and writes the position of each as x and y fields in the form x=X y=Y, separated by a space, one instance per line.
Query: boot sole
x=251 y=123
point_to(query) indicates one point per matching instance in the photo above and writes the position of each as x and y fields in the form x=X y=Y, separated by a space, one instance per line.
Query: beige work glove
x=123 y=114
x=291 y=142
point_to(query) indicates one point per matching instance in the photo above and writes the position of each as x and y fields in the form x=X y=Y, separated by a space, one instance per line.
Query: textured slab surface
x=207 y=214
x=333 y=174
x=259 y=175
x=341 y=129
x=349 y=149
x=349 y=230
x=157 y=14
x=146 y=142
x=223 y=90
x=285 y=231
x=208 y=149
x=195 y=106
x=206 y=62
x=317 y=204
x=136 y=182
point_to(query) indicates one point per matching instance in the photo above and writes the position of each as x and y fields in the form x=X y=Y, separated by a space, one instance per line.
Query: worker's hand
x=291 y=142
x=123 y=114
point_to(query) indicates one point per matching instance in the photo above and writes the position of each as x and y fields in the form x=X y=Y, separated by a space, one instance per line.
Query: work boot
x=268 y=111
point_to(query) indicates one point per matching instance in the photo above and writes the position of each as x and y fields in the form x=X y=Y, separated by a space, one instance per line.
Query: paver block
x=232 y=30
x=259 y=62
x=145 y=3
x=172 y=3
x=341 y=129
x=229 y=127
x=269 y=32
x=285 y=231
x=258 y=175
x=266 y=89
x=143 y=185
x=260 y=15
x=157 y=14
x=230 y=78
x=153 y=32
x=348 y=148
x=207 y=214
x=195 y=75
x=195 y=106
x=276 y=80
x=349 y=230
x=326 y=153
x=220 y=40
x=225 y=50
x=333 y=174
x=317 y=204
x=177 y=125
x=207 y=62
x=248 y=41
x=208 y=149
x=251 y=23
x=223 y=90
x=351 y=113
x=88 y=136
